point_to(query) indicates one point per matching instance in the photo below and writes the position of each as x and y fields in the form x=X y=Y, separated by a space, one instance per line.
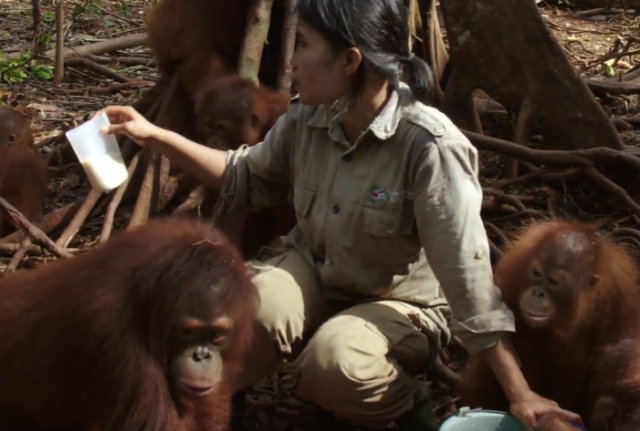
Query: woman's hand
x=127 y=121
x=530 y=407
x=525 y=404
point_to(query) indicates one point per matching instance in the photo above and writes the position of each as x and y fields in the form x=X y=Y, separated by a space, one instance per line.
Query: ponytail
x=420 y=76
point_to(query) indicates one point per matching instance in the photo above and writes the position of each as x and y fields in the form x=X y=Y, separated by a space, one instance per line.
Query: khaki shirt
x=395 y=216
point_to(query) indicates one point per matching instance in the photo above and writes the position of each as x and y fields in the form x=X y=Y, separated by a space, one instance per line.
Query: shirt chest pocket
x=303 y=195
x=388 y=219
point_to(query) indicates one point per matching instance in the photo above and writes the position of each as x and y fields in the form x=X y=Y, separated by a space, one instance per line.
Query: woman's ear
x=352 y=60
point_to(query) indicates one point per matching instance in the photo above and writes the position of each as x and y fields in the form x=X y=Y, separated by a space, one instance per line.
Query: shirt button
x=335 y=209
x=347 y=157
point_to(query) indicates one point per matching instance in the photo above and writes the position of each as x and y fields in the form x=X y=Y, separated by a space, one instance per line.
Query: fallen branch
x=113 y=88
x=13 y=248
x=38 y=236
x=601 y=11
x=102 y=47
x=92 y=65
x=50 y=140
x=17 y=257
x=135 y=61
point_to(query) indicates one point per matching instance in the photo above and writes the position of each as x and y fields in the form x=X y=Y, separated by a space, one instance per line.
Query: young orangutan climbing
x=198 y=40
x=232 y=111
x=14 y=129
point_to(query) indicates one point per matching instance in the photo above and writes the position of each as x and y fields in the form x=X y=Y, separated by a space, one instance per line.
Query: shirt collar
x=383 y=126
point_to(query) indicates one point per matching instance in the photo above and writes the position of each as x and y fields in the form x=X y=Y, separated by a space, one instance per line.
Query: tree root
x=194 y=200
x=78 y=220
x=258 y=19
x=289 y=27
x=109 y=217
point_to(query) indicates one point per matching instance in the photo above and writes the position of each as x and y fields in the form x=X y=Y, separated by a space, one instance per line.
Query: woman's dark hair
x=380 y=30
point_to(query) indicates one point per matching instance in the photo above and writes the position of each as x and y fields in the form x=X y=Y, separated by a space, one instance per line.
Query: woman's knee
x=345 y=362
x=289 y=298
x=350 y=367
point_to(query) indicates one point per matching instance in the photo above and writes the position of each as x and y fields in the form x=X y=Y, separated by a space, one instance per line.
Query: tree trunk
x=507 y=50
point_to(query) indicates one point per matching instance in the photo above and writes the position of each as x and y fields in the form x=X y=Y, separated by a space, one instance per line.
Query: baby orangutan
x=23 y=172
x=231 y=111
x=615 y=389
x=14 y=129
x=572 y=291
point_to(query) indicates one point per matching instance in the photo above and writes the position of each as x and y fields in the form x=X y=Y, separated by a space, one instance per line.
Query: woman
x=388 y=200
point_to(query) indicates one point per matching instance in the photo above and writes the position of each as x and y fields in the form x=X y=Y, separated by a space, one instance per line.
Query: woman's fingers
x=120 y=114
x=571 y=416
x=116 y=129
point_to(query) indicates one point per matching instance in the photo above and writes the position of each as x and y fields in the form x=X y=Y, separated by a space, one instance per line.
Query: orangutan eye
x=536 y=273
x=552 y=281
x=189 y=334
x=217 y=337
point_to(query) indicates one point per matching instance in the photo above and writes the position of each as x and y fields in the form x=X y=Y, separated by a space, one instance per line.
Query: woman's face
x=322 y=76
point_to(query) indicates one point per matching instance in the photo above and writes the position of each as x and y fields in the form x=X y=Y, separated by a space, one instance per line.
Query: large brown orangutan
x=143 y=333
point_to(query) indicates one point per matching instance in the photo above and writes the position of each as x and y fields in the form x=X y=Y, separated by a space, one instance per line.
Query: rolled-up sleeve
x=448 y=199
x=260 y=176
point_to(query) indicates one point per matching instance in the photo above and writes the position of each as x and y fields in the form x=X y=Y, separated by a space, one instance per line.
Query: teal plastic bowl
x=482 y=420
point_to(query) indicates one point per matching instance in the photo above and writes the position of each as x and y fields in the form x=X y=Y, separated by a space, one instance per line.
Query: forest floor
x=586 y=36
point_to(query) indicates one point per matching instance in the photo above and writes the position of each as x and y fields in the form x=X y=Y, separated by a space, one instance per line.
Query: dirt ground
x=586 y=36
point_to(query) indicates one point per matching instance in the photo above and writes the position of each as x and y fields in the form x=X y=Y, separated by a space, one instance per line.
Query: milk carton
x=98 y=154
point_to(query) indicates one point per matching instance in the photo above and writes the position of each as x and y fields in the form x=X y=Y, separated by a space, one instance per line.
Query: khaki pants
x=357 y=362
